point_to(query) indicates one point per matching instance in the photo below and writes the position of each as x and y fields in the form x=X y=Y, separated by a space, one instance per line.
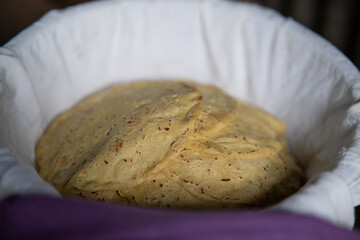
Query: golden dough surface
x=168 y=144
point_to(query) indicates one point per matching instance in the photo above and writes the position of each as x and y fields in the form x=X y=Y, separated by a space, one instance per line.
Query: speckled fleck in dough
x=168 y=144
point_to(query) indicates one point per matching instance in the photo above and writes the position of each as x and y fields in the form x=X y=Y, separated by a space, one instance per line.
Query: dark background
x=336 y=20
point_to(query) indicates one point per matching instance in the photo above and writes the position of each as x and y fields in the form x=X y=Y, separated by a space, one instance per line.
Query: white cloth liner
x=250 y=51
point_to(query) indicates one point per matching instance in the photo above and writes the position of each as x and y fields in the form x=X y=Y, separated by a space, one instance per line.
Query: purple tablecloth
x=40 y=217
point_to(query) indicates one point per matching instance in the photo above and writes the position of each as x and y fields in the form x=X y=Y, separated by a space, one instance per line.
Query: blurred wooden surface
x=336 y=20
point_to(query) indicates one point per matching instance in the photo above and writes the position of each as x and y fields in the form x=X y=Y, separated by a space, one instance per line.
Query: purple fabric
x=40 y=217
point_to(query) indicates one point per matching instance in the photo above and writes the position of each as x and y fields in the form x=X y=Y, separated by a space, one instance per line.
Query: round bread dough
x=170 y=144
